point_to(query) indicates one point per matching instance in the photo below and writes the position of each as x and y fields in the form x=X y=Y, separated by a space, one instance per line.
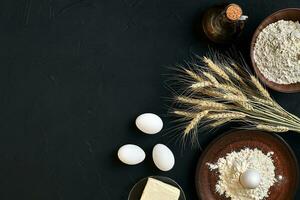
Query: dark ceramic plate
x=285 y=14
x=284 y=160
x=138 y=188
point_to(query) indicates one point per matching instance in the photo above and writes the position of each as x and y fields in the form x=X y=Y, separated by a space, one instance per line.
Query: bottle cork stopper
x=233 y=12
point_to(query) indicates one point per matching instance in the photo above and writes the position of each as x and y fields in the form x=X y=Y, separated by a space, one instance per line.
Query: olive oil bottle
x=223 y=24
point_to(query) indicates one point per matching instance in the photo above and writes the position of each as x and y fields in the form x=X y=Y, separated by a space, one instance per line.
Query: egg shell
x=149 y=123
x=250 y=178
x=131 y=154
x=163 y=157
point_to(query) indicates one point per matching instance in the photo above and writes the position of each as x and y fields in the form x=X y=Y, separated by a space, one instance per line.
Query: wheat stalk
x=185 y=114
x=226 y=92
x=195 y=122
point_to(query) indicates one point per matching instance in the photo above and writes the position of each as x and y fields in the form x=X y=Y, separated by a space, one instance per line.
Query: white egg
x=250 y=178
x=131 y=154
x=163 y=157
x=149 y=123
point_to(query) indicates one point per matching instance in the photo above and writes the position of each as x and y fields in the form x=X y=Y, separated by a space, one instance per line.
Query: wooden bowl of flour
x=285 y=14
x=284 y=160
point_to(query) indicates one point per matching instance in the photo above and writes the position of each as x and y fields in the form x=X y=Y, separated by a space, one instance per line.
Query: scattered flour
x=277 y=52
x=234 y=164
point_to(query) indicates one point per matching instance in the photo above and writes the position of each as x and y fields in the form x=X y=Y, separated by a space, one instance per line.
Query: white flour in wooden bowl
x=231 y=167
x=277 y=52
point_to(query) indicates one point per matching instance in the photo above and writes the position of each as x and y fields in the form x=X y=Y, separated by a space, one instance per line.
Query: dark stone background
x=75 y=74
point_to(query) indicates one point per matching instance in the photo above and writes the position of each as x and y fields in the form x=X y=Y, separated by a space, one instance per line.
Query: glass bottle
x=223 y=24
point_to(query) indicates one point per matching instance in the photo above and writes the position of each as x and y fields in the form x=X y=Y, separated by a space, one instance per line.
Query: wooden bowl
x=284 y=14
x=285 y=163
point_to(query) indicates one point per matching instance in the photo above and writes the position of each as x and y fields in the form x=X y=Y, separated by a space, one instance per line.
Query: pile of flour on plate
x=230 y=168
x=277 y=52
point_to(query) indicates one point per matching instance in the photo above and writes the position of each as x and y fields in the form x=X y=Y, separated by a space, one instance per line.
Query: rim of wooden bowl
x=284 y=14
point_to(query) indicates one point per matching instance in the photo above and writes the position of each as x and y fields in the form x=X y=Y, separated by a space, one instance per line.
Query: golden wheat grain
x=235 y=75
x=232 y=115
x=193 y=75
x=272 y=128
x=210 y=77
x=264 y=101
x=201 y=85
x=258 y=85
x=211 y=93
x=270 y=102
x=212 y=105
x=215 y=68
x=241 y=100
x=188 y=100
x=204 y=104
x=193 y=124
x=247 y=106
x=230 y=88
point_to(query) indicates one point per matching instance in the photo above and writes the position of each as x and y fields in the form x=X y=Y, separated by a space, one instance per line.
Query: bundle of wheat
x=219 y=89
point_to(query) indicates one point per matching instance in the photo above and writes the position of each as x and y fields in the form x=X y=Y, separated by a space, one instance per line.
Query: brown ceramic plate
x=285 y=14
x=284 y=160
x=137 y=190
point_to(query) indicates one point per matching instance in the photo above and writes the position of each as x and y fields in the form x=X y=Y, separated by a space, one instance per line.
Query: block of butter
x=158 y=190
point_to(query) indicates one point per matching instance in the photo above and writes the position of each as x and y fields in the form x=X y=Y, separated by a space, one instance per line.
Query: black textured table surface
x=74 y=76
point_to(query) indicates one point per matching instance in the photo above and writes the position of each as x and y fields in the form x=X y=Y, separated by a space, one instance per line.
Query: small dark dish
x=284 y=160
x=284 y=14
x=137 y=190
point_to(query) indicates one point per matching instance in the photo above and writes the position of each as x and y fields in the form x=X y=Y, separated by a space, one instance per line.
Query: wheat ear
x=193 y=124
x=211 y=78
x=218 y=70
x=263 y=101
x=187 y=100
x=232 y=115
x=193 y=75
x=241 y=100
x=260 y=88
x=272 y=128
x=230 y=88
x=211 y=93
x=201 y=85
x=235 y=75
x=204 y=104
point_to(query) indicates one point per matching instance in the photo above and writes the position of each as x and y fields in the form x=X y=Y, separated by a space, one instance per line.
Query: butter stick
x=158 y=190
